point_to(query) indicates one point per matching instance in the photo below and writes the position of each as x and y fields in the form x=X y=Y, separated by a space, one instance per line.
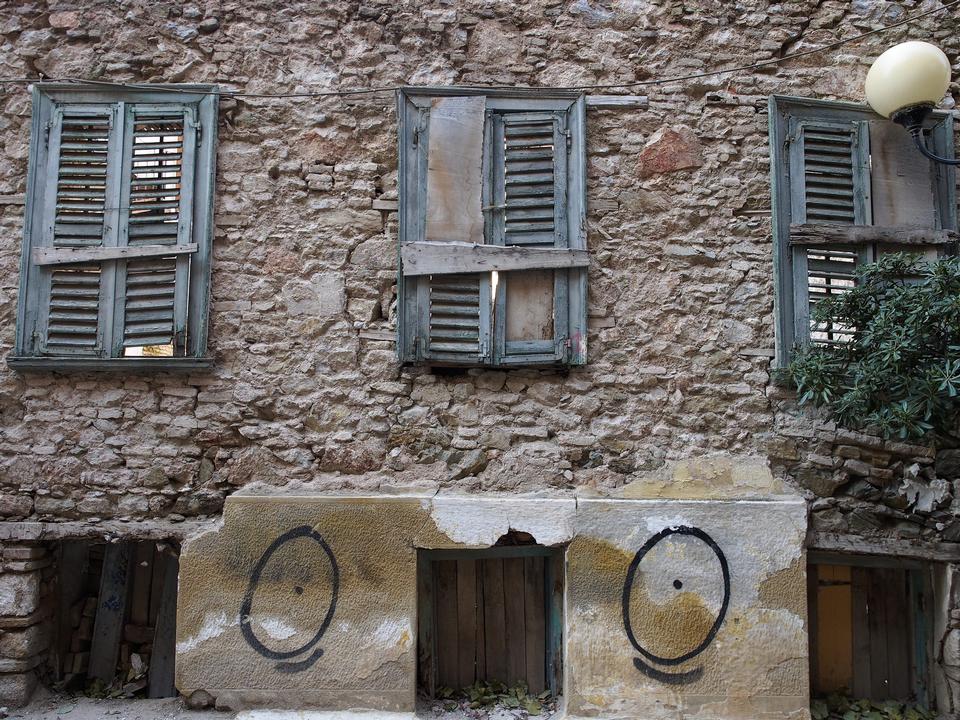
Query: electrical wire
x=583 y=88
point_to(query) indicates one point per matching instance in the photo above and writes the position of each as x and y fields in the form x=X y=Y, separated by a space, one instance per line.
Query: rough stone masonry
x=676 y=398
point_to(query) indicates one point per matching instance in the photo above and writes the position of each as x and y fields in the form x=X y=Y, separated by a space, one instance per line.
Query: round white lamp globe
x=908 y=74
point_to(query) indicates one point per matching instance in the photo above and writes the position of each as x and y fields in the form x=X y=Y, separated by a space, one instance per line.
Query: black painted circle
x=304 y=531
x=628 y=590
x=677 y=584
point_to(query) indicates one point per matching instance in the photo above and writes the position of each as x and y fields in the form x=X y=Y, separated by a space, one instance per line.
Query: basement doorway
x=491 y=616
x=115 y=625
x=870 y=628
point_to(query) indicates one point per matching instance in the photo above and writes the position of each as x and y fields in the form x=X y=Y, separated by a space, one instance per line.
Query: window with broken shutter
x=492 y=244
x=846 y=186
x=116 y=256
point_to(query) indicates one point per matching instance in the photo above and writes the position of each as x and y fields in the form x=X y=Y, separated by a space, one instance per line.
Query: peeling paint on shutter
x=447 y=315
x=157 y=193
x=77 y=213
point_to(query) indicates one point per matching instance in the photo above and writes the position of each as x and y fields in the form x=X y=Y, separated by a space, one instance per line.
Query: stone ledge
x=140 y=530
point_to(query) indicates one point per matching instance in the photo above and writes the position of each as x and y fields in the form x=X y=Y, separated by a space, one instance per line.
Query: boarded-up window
x=493 y=255
x=116 y=253
x=846 y=187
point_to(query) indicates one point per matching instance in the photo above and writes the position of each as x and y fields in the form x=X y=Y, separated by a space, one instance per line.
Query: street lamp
x=905 y=83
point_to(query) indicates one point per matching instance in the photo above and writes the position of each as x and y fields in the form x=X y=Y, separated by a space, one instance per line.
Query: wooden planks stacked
x=121 y=632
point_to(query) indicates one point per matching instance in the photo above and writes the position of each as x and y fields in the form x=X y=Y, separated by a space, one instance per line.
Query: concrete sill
x=112 y=365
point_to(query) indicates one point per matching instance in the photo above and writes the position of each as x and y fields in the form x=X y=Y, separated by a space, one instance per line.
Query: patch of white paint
x=480 y=522
x=656 y=523
x=214 y=625
x=391 y=632
x=275 y=628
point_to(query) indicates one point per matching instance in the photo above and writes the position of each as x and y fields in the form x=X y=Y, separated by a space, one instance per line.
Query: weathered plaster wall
x=303 y=302
x=725 y=585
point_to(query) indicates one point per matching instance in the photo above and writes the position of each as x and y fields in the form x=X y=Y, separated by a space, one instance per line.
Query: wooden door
x=486 y=615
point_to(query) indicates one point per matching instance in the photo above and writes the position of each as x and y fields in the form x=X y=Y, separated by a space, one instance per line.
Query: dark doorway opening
x=493 y=615
x=115 y=625
x=870 y=628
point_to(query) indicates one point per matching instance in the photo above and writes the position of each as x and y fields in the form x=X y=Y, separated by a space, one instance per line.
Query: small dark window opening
x=115 y=625
x=493 y=615
x=870 y=628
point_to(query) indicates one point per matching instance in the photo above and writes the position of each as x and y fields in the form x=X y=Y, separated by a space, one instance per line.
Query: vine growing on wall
x=896 y=368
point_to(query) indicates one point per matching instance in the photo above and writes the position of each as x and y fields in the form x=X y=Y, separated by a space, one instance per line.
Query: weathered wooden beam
x=436 y=258
x=810 y=234
x=618 y=102
x=67 y=256
x=111 y=607
x=161 y=674
x=854 y=545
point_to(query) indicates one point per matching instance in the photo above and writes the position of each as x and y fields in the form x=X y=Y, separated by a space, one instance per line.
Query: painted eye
x=675 y=598
x=299 y=567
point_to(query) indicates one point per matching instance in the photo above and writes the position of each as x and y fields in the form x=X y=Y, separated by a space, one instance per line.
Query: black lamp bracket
x=912 y=118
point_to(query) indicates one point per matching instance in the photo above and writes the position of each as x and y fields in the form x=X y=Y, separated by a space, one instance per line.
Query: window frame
x=787 y=112
x=46 y=99
x=413 y=133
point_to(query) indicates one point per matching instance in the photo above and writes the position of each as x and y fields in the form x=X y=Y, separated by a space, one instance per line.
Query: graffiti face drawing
x=302 y=575
x=675 y=598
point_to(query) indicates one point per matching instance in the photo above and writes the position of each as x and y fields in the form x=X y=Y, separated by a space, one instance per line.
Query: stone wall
x=26 y=607
x=306 y=387
x=303 y=289
x=315 y=600
x=864 y=485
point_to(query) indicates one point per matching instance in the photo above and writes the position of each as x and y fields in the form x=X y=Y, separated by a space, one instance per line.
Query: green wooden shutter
x=457 y=318
x=80 y=199
x=157 y=198
x=454 y=310
x=528 y=200
x=830 y=184
x=531 y=184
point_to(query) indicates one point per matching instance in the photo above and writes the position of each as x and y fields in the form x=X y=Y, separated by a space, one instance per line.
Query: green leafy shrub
x=899 y=371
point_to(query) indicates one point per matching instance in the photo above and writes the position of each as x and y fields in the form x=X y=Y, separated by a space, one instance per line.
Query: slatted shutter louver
x=159 y=172
x=828 y=175
x=81 y=145
x=829 y=273
x=526 y=183
x=529 y=158
x=833 y=187
x=455 y=318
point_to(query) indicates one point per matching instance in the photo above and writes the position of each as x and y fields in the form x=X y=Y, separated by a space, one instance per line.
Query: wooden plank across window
x=66 y=256
x=823 y=234
x=433 y=258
